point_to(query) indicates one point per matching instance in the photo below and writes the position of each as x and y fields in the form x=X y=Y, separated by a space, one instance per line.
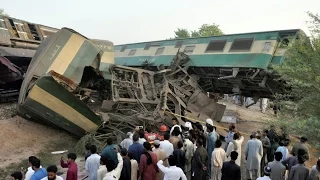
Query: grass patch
x=65 y=142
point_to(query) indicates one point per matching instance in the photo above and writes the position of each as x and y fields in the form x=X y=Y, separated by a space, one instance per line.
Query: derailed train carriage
x=72 y=83
x=19 y=40
x=227 y=64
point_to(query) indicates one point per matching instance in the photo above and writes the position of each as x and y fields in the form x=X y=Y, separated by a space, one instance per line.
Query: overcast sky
x=129 y=21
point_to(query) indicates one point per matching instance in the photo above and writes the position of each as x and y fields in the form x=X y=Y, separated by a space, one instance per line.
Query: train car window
x=243 y=44
x=155 y=44
x=216 y=45
x=266 y=47
x=159 y=51
x=178 y=44
x=123 y=48
x=189 y=49
x=132 y=52
x=2 y=24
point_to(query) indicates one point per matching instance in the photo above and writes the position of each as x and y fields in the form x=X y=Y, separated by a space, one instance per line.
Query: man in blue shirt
x=39 y=173
x=136 y=148
x=109 y=151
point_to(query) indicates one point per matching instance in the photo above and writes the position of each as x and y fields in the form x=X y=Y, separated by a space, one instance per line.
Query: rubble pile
x=150 y=98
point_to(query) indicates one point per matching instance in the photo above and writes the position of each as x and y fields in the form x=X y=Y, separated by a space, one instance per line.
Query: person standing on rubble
x=175 y=123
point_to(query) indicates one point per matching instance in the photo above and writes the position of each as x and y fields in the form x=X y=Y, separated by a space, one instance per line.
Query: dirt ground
x=21 y=138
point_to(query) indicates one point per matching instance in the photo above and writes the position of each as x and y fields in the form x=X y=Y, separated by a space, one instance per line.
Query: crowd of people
x=192 y=151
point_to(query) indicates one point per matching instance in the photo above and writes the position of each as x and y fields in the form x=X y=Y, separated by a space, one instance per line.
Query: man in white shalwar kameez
x=235 y=145
x=253 y=154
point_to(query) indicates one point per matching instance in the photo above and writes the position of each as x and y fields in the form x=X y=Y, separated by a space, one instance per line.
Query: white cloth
x=174 y=127
x=189 y=151
x=264 y=178
x=254 y=152
x=102 y=171
x=134 y=169
x=218 y=156
x=57 y=178
x=284 y=151
x=116 y=173
x=167 y=147
x=172 y=172
x=29 y=173
x=232 y=148
x=92 y=166
x=142 y=140
x=126 y=143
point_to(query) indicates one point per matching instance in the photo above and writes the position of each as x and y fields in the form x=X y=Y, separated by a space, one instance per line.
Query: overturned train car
x=72 y=83
x=18 y=42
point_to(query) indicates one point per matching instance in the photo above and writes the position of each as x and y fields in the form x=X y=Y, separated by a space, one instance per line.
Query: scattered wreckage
x=73 y=84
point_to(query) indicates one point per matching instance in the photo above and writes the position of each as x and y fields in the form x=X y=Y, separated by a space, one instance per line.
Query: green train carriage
x=51 y=90
x=228 y=64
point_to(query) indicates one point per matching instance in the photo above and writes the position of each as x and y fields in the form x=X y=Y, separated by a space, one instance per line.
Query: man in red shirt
x=72 y=173
x=150 y=136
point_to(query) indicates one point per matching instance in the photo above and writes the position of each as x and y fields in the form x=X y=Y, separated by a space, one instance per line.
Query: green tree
x=210 y=30
x=3 y=13
x=204 y=30
x=302 y=70
x=181 y=33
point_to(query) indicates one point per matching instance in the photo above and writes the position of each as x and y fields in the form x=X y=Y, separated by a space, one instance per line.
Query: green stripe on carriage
x=48 y=84
x=49 y=116
x=207 y=60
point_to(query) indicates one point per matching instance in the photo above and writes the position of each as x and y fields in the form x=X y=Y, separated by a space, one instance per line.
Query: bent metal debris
x=72 y=83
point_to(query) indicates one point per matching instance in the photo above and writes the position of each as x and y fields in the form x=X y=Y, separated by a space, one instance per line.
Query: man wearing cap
x=160 y=155
x=162 y=130
x=253 y=154
x=301 y=145
x=127 y=141
x=266 y=171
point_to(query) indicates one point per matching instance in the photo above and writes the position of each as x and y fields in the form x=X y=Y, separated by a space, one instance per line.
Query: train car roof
x=28 y=22
x=203 y=37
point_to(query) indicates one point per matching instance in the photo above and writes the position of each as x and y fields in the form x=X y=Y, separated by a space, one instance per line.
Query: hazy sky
x=146 y=20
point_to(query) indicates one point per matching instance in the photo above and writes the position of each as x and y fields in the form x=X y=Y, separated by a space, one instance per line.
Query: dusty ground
x=21 y=138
